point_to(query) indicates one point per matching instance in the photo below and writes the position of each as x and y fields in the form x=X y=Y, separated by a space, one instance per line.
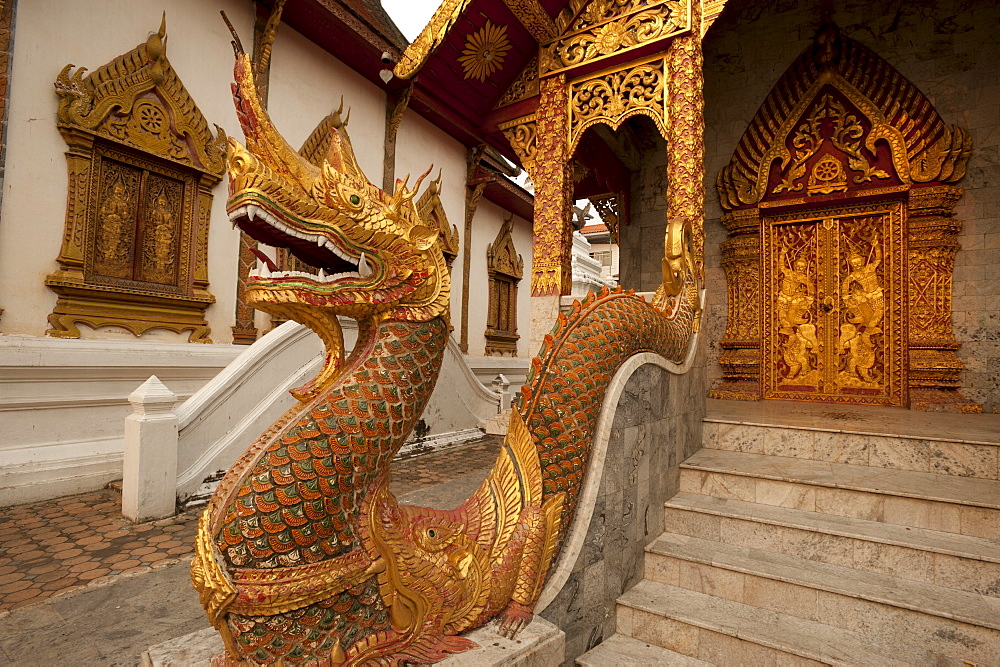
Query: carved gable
x=841 y=119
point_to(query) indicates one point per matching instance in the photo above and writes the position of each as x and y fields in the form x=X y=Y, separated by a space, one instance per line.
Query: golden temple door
x=833 y=316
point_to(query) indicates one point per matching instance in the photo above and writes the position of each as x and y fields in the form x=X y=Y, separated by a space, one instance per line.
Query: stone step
x=725 y=632
x=873 y=605
x=945 y=559
x=980 y=459
x=967 y=506
x=626 y=651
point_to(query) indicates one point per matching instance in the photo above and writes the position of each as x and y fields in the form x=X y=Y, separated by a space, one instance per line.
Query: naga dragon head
x=375 y=258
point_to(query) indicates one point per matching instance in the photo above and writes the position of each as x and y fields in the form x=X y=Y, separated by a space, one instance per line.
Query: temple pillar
x=550 y=171
x=685 y=135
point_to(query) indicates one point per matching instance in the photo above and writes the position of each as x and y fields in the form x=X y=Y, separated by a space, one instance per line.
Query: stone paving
x=56 y=546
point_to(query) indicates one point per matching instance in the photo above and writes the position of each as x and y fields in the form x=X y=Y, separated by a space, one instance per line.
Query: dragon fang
x=303 y=554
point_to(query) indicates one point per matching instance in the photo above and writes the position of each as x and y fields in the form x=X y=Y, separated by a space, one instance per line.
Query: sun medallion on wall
x=485 y=51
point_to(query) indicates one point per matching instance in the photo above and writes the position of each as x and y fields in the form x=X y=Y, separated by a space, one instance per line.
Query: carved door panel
x=834 y=310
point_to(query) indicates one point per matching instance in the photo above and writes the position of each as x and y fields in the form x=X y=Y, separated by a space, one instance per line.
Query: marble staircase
x=823 y=535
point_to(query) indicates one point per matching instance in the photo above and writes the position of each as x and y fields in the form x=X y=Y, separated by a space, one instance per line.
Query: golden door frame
x=830 y=333
x=841 y=129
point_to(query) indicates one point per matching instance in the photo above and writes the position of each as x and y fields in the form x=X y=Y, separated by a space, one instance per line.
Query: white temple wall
x=50 y=34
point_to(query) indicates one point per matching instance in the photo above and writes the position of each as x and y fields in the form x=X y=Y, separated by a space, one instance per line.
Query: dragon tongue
x=268 y=262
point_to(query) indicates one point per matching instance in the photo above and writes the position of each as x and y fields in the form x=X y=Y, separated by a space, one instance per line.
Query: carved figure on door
x=114 y=216
x=795 y=298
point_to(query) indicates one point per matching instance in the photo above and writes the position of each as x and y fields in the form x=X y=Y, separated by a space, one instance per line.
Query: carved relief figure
x=115 y=216
x=864 y=300
x=796 y=296
x=161 y=223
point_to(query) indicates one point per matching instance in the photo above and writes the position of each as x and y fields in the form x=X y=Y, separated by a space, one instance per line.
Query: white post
x=149 y=482
x=500 y=384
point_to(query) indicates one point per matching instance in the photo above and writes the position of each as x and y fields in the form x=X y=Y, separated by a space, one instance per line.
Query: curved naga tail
x=303 y=554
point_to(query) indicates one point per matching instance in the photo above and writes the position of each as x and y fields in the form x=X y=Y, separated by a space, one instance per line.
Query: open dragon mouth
x=332 y=263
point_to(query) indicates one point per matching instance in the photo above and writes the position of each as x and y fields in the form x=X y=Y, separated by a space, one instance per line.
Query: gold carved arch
x=923 y=148
x=839 y=205
x=612 y=97
x=142 y=163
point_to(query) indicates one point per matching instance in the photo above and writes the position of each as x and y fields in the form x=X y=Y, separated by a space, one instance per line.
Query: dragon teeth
x=252 y=211
x=364 y=271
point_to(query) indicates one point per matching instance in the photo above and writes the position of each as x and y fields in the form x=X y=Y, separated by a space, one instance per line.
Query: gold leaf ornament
x=485 y=51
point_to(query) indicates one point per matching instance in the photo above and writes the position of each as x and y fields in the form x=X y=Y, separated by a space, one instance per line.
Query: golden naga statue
x=303 y=555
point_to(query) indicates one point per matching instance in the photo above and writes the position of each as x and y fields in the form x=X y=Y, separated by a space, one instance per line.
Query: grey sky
x=410 y=15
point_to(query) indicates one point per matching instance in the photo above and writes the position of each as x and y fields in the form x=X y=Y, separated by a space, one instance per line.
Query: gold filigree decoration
x=640 y=25
x=142 y=163
x=534 y=18
x=922 y=147
x=607 y=206
x=524 y=87
x=485 y=51
x=846 y=133
x=614 y=97
x=522 y=135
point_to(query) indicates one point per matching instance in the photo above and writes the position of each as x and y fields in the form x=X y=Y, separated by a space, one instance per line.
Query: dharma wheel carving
x=142 y=165
x=839 y=201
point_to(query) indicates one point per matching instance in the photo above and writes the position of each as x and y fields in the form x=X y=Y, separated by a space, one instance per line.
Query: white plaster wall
x=307 y=83
x=48 y=35
x=419 y=144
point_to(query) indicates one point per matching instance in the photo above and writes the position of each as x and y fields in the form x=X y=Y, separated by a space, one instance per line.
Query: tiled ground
x=58 y=545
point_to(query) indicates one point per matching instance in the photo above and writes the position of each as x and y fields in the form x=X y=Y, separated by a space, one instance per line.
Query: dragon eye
x=355 y=200
x=431 y=533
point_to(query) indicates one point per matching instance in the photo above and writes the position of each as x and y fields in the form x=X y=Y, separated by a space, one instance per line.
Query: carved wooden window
x=505 y=269
x=142 y=164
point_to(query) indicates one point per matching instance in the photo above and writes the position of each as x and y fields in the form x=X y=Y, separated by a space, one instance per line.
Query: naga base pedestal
x=541 y=643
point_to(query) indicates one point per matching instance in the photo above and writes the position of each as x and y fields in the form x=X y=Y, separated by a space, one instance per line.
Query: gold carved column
x=740 y=359
x=935 y=369
x=686 y=134
x=551 y=173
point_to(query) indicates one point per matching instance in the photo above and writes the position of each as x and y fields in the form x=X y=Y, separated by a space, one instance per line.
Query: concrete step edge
x=971 y=491
x=789 y=634
x=627 y=651
x=930 y=599
x=854 y=432
x=921 y=539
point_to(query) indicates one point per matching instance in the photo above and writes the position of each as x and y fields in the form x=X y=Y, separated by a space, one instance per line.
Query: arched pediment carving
x=841 y=117
x=501 y=255
x=138 y=100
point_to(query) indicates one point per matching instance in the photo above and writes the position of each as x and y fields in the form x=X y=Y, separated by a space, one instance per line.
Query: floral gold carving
x=551 y=173
x=607 y=207
x=485 y=51
x=893 y=113
x=632 y=25
x=686 y=137
x=522 y=135
x=524 y=87
x=534 y=18
x=142 y=163
x=616 y=96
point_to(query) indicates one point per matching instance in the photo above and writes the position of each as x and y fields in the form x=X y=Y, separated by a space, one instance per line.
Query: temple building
x=817 y=482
